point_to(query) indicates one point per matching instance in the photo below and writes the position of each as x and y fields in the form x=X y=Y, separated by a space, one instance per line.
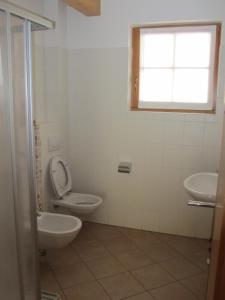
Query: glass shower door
x=9 y=263
x=18 y=249
x=23 y=153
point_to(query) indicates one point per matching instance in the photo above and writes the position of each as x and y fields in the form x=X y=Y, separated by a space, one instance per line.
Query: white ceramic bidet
x=55 y=230
x=78 y=204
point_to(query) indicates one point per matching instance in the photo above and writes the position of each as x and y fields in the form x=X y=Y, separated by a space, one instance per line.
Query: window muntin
x=175 y=67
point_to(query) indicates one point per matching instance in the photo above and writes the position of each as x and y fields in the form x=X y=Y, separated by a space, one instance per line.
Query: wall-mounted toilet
x=78 y=204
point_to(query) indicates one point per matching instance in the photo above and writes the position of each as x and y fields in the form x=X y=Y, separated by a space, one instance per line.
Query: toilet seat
x=81 y=204
x=60 y=176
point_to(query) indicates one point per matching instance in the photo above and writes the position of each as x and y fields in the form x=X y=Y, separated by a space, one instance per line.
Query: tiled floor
x=108 y=262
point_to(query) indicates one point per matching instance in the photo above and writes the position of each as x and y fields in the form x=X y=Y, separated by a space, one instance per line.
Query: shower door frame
x=28 y=18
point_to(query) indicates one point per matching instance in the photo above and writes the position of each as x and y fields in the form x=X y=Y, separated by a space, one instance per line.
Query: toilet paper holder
x=125 y=167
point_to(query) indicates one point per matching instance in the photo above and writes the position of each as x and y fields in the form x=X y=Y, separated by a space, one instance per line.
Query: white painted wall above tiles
x=163 y=147
x=32 y=5
x=112 y=28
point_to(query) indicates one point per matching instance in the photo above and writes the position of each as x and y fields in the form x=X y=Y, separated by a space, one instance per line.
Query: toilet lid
x=60 y=176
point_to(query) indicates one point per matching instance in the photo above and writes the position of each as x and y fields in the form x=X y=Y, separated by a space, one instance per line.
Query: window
x=175 y=67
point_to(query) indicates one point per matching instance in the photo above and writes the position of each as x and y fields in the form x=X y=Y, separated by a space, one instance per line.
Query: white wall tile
x=192 y=156
x=193 y=133
x=172 y=156
x=194 y=117
x=173 y=133
x=212 y=134
x=211 y=159
x=164 y=147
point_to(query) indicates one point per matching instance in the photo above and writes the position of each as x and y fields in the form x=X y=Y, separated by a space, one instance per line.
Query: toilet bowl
x=76 y=203
x=56 y=230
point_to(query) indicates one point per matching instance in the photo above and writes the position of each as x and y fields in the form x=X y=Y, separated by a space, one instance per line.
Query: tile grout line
x=186 y=258
x=75 y=284
x=126 y=270
x=188 y=287
x=157 y=263
x=92 y=273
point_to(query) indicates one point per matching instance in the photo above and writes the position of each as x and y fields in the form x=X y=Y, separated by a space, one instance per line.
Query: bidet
x=56 y=230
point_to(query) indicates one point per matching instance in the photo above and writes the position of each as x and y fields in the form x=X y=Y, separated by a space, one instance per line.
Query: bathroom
x=82 y=110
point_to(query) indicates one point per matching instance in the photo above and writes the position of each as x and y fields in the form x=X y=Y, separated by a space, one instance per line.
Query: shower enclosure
x=19 y=278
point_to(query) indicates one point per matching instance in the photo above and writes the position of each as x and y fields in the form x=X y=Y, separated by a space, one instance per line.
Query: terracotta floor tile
x=108 y=253
x=164 y=237
x=62 y=257
x=74 y=274
x=197 y=284
x=134 y=259
x=153 y=276
x=204 y=243
x=121 y=286
x=199 y=259
x=143 y=296
x=85 y=235
x=141 y=238
x=180 y=268
x=90 y=250
x=48 y=280
x=106 y=232
x=174 y=291
x=105 y=266
x=119 y=245
x=185 y=245
x=160 y=252
x=89 y=291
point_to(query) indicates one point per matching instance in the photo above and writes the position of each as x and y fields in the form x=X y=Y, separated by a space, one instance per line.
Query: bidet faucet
x=38 y=214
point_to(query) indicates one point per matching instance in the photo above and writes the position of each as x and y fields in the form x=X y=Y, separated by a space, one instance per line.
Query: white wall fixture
x=55 y=230
x=202 y=187
x=79 y=204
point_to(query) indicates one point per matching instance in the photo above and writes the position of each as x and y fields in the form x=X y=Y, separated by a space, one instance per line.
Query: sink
x=202 y=187
x=56 y=230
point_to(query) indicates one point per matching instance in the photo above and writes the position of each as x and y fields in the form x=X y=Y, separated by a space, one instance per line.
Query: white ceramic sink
x=56 y=230
x=202 y=186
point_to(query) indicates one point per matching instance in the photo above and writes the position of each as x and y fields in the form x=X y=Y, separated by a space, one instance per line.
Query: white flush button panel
x=53 y=143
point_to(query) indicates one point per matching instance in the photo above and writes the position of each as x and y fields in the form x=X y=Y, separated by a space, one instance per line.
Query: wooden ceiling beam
x=86 y=7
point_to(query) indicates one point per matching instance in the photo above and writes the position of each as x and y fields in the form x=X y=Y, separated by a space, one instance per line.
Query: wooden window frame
x=135 y=80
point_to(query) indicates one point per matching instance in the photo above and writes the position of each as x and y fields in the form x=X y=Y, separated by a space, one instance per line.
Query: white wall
x=33 y=5
x=163 y=147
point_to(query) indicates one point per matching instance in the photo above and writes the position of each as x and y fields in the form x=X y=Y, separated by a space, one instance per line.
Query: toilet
x=78 y=204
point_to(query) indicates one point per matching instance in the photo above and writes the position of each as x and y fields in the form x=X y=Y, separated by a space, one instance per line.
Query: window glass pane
x=157 y=50
x=192 y=49
x=156 y=85
x=191 y=86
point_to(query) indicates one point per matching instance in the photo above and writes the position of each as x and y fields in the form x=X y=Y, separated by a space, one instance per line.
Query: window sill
x=211 y=111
